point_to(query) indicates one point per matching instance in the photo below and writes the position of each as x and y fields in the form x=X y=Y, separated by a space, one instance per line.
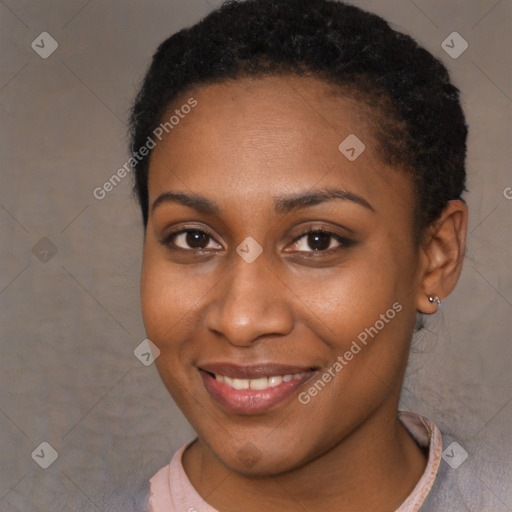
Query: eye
x=319 y=241
x=191 y=239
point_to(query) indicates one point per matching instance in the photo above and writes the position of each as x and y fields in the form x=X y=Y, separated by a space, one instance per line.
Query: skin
x=247 y=142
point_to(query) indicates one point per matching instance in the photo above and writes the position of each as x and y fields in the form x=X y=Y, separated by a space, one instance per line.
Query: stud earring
x=434 y=298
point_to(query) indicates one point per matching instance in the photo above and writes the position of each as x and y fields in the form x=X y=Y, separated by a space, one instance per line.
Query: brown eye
x=197 y=239
x=190 y=239
x=319 y=241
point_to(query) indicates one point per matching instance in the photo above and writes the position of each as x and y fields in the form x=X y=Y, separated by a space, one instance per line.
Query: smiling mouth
x=252 y=389
x=259 y=383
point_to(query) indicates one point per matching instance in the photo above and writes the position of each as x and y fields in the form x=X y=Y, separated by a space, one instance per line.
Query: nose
x=250 y=303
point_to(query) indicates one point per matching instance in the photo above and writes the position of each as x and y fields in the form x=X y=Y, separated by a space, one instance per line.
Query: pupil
x=319 y=241
x=197 y=239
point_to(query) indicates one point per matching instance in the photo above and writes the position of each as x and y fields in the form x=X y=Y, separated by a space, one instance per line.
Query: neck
x=374 y=468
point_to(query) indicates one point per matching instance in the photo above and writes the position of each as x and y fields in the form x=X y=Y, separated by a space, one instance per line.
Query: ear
x=442 y=255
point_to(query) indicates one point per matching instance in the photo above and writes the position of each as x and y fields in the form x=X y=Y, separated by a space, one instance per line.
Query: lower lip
x=250 y=401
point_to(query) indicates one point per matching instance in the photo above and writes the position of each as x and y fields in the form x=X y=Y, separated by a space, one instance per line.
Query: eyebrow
x=283 y=204
x=199 y=203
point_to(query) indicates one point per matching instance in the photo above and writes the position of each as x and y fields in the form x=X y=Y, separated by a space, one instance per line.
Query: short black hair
x=416 y=112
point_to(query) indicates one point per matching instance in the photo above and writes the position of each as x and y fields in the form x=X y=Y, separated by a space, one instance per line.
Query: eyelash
x=168 y=241
x=342 y=241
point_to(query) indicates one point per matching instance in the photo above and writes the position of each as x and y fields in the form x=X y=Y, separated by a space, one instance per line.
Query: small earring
x=434 y=298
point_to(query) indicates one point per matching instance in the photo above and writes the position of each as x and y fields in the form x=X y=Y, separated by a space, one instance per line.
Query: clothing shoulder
x=457 y=487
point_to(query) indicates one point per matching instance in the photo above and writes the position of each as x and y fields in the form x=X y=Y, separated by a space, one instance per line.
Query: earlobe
x=443 y=255
x=434 y=298
x=428 y=304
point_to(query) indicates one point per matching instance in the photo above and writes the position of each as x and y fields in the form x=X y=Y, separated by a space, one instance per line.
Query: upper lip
x=253 y=371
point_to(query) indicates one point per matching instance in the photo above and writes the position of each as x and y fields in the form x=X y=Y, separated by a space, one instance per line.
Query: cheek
x=166 y=296
x=351 y=296
x=366 y=301
x=167 y=304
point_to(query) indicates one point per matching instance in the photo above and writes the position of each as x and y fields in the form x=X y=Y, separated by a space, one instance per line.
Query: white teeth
x=275 y=381
x=240 y=383
x=260 y=383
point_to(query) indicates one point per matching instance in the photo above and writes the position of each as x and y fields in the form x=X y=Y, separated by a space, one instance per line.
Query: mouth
x=252 y=389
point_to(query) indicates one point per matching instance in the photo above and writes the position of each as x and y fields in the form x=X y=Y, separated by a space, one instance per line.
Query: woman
x=301 y=177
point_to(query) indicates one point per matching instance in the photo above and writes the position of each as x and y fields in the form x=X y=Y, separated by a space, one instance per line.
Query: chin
x=257 y=461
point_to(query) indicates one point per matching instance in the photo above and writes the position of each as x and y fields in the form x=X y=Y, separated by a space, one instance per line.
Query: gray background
x=70 y=321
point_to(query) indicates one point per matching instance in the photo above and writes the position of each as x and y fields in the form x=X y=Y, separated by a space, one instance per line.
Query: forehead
x=253 y=137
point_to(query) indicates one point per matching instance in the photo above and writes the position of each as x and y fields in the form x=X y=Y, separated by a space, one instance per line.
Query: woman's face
x=235 y=292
